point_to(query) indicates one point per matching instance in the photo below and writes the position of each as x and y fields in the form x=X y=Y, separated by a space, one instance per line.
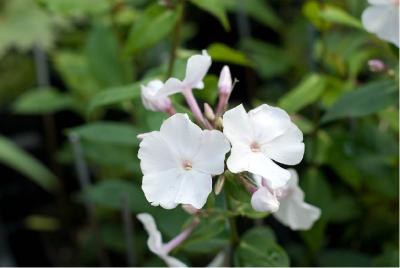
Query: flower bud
x=225 y=81
x=376 y=66
x=219 y=185
x=208 y=112
x=151 y=100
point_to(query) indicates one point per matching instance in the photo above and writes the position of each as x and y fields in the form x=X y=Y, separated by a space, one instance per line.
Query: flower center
x=187 y=165
x=255 y=147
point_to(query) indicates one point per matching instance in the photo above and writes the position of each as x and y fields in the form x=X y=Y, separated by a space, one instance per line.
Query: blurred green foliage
x=314 y=66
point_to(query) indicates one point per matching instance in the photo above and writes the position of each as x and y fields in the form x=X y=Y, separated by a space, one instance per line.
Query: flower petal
x=237 y=126
x=196 y=68
x=383 y=20
x=182 y=134
x=154 y=242
x=263 y=200
x=297 y=214
x=156 y=155
x=194 y=188
x=173 y=262
x=170 y=87
x=288 y=148
x=161 y=188
x=269 y=122
x=211 y=155
x=243 y=159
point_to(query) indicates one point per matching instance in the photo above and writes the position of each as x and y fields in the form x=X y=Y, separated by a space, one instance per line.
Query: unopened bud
x=208 y=112
x=225 y=81
x=219 y=185
x=376 y=66
x=219 y=123
x=151 y=100
x=190 y=209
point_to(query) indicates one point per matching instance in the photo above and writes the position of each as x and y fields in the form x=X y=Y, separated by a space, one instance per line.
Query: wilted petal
x=383 y=20
x=194 y=188
x=196 y=68
x=237 y=126
x=288 y=148
x=211 y=155
x=264 y=201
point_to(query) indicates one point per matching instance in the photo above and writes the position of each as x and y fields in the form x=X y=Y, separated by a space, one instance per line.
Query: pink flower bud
x=225 y=81
x=376 y=66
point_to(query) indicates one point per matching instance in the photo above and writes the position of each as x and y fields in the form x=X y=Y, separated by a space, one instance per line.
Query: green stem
x=234 y=237
x=176 y=40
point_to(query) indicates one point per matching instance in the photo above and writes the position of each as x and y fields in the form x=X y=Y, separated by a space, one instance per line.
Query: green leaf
x=23 y=25
x=307 y=92
x=77 y=7
x=269 y=60
x=365 y=100
x=335 y=14
x=343 y=257
x=216 y=8
x=153 y=26
x=223 y=53
x=258 y=248
x=210 y=92
x=109 y=193
x=114 y=96
x=19 y=160
x=104 y=60
x=42 y=101
x=108 y=132
x=261 y=12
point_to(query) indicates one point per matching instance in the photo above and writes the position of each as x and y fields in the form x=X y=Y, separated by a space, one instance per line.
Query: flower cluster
x=179 y=161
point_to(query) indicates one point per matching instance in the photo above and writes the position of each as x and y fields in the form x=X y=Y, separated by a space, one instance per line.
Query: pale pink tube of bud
x=376 y=65
x=180 y=237
x=193 y=105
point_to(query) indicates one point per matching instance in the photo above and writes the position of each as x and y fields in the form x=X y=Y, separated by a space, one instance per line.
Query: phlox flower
x=288 y=203
x=196 y=68
x=382 y=19
x=155 y=243
x=264 y=134
x=154 y=102
x=178 y=162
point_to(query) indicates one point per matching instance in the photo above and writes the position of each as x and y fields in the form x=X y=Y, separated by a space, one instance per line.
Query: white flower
x=382 y=19
x=196 y=68
x=154 y=242
x=293 y=211
x=264 y=134
x=150 y=98
x=178 y=161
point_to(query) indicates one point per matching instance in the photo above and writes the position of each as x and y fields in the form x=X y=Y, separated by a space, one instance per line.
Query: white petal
x=194 y=188
x=161 y=188
x=269 y=122
x=196 y=68
x=173 y=262
x=218 y=260
x=383 y=20
x=182 y=134
x=211 y=155
x=263 y=200
x=172 y=86
x=199 y=85
x=380 y=2
x=297 y=214
x=288 y=148
x=237 y=126
x=156 y=155
x=151 y=99
x=154 y=242
x=243 y=159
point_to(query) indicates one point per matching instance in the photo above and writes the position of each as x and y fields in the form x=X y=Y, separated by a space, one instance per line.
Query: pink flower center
x=187 y=165
x=255 y=147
